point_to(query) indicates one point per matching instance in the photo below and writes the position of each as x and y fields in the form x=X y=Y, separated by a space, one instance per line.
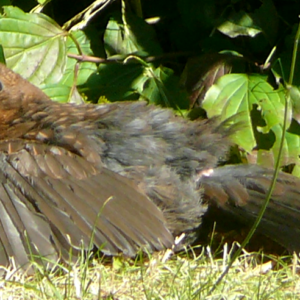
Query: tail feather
x=240 y=190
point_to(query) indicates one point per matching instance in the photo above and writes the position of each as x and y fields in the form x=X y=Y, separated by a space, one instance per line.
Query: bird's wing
x=240 y=190
x=51 y=198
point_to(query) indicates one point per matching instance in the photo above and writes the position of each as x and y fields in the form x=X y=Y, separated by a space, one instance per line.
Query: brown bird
x=122 y=176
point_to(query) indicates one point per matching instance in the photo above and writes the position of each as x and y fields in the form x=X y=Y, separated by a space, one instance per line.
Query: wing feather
x=52 y=199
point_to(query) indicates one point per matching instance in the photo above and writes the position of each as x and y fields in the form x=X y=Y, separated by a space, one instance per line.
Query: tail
x=240 y=190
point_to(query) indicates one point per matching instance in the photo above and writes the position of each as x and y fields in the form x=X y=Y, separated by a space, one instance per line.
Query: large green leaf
x=34 y=45
x=237 y=95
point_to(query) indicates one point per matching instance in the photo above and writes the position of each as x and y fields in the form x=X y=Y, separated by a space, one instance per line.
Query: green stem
x=294 y=57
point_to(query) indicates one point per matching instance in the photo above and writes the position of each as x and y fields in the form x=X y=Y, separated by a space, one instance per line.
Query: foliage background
x=226 y=58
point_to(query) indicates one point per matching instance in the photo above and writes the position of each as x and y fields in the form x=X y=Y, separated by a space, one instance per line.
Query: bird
x=121 y=177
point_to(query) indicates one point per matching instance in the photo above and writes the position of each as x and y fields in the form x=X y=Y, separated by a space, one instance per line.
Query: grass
x=253 y=276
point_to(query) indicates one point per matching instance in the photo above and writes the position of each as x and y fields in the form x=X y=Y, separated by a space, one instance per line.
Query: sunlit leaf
x=34 y=45
x=295 y=99
x=134 y=36
x=62 y=93
x=237 y=94
x=290 y=150
x=241 y=24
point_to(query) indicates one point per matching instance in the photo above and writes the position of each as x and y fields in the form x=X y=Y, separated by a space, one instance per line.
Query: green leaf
x=290 y=150
x=296 y=171
x=236 y=95
x=162 y=87
x=117 y=41
x=85 y=68
x=114 y=81
x=34 y=45
x=62 y=93
x=295 y=99
x=134 y=36
x=241 y=24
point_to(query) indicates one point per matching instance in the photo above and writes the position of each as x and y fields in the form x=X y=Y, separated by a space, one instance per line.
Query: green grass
x=253 y=276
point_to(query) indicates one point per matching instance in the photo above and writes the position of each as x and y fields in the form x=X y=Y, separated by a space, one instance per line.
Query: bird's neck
x=53 y=123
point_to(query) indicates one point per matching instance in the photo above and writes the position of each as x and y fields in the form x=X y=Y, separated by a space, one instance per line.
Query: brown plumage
x=122 y=176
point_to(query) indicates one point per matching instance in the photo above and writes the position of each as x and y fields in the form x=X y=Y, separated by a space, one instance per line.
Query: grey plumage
x=127 y=175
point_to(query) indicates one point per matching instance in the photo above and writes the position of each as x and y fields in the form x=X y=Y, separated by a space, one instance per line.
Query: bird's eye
x=1 y=86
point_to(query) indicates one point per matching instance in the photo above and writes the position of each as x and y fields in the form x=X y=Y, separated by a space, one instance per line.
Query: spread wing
x=240 y=191
x=51 y=198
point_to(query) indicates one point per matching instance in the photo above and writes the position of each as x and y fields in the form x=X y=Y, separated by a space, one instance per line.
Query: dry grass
x=253 y=276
